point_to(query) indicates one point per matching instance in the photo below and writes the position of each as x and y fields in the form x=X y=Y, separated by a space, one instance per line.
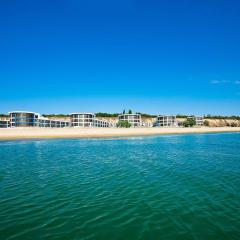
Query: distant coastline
x=51 y=133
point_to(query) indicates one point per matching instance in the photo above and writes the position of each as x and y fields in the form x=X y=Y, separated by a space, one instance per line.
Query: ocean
x=161 y=187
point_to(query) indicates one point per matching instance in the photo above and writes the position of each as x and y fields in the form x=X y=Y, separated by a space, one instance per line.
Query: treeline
x=145 y=115
x=4 y=115
x=182 y=116
x=56 y=115
x=209 y=116
x=116 y=114
x=100 y=114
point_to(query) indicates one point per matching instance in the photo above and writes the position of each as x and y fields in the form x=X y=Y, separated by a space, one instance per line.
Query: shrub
x=206 y=123
x=124 y=124
x=233 y=124
x=189 y=122
x=228 y=124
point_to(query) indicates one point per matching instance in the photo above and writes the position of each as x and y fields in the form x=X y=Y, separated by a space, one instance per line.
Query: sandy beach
x=34 y=133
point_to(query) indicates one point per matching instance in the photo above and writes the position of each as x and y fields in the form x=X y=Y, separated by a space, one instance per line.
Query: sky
x=159 y=57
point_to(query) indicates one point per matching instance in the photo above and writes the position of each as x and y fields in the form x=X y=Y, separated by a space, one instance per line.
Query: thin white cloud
x=219 y=81
x=215 y=82
x=224 y=82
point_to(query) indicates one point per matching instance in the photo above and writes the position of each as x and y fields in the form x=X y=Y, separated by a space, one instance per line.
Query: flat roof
x=24 y=112
x=129 y=114
x=82 y=113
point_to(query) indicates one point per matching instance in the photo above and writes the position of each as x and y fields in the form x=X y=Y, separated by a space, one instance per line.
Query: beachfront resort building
x=165 y=121
x=32 y=119
x=133 y=119
x=87 y=120
x=146 y=124
x=45 y=122
x=199 y=120
x=4 y=123
x=24 y=119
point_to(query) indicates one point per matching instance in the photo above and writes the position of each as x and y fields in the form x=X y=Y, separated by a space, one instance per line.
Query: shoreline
x=56 y=133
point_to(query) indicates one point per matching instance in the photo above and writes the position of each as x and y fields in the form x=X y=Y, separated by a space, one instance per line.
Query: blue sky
x=165 y=57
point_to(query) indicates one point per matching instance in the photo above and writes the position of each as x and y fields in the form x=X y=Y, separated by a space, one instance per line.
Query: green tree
x=130 y=111
x=206 y=123
x=100 y=114
x=181 y=116
x=190 y=122
x=124 y=124
x=124 y=111
x=4 y=115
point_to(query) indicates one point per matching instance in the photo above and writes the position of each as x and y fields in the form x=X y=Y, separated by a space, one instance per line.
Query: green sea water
x=166 y=187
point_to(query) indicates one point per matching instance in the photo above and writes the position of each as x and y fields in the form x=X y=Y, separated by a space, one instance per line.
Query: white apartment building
x=165 y=121
x=134 y=119
x=87 y=120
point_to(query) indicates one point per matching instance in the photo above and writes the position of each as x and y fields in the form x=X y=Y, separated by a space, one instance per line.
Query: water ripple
x=167 y=187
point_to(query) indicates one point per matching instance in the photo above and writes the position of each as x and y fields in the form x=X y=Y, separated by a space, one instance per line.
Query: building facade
x=101 y=123
x=146 y=124
x=45 y=122
x=4 y=123
x=87 y=120
x=165 y=121
x=32 y=119
x=133 y=119
x=199 y=120
x=82 y=119
x=24 y=119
